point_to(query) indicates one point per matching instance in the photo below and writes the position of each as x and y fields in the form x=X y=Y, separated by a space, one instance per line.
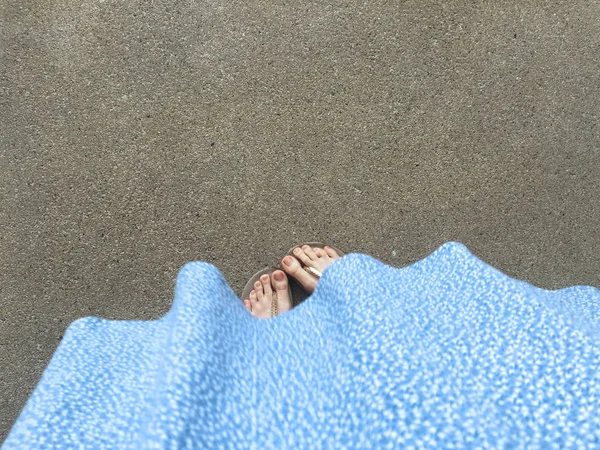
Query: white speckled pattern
x=446 y=353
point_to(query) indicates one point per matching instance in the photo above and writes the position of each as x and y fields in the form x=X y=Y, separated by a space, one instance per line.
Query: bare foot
x=259 y=303
x=315 y=257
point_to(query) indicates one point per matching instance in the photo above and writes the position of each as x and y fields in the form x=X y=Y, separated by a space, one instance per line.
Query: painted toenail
x=279 y=276
x=288 y=260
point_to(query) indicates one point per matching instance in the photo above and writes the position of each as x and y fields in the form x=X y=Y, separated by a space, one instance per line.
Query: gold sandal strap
x=312 y=270
x=274 y=305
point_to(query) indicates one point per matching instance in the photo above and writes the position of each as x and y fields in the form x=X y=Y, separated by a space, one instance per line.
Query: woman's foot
x=259 y=303
x=316 y=258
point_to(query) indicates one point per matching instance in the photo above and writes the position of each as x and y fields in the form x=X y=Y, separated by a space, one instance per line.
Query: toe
x=321 y=254
x=331 y=252
x=247 y=304
x=266 y=286
x=301 y=255
x=259 y=290
x=280 y=281
x=293 y=268
x=309 y=252
x=253 y=298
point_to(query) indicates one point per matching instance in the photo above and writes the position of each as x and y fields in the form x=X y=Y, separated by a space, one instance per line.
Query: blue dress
x=446 y=353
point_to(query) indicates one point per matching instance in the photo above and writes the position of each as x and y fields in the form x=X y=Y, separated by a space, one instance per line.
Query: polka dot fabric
x=446 y=353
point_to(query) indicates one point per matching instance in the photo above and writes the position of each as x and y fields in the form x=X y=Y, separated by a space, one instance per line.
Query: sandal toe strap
x=312 y=270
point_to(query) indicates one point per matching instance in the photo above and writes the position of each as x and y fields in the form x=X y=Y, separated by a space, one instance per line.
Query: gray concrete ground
x=137 y=136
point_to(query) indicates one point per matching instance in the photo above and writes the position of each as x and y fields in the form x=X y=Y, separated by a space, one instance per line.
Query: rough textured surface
x=136 y=136
x=445 y=353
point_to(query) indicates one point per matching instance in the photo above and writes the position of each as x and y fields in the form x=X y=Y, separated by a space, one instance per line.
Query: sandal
x=320 y=245
x=256 y=277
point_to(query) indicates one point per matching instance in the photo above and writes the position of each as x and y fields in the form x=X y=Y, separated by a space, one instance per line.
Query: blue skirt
x=448 y=352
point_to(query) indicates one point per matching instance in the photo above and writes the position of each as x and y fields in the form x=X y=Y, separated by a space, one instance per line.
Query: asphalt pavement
x=137 y=136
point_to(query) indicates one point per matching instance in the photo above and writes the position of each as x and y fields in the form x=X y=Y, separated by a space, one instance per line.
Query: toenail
x=288 y=260
x=278 y=276
x=257 y=284
x=297 y=251
x=264 y=278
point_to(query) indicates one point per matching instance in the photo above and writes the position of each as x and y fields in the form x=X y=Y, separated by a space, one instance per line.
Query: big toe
x=280 y=283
